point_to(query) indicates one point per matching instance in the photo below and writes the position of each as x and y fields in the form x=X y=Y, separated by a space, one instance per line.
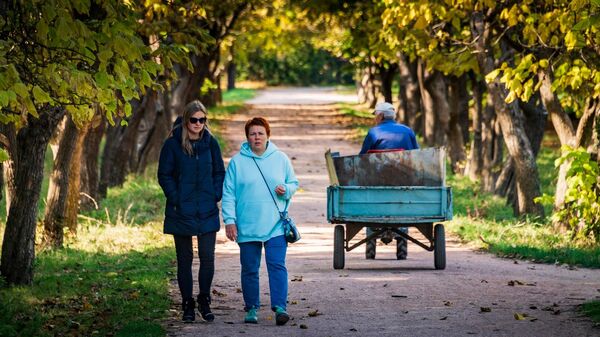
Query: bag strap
x=281 y=214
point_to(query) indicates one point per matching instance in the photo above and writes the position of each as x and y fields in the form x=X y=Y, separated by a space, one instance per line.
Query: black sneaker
x=204 y=307
x=189 y=313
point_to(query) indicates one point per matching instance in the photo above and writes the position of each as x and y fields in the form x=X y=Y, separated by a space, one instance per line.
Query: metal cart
x=387 y=191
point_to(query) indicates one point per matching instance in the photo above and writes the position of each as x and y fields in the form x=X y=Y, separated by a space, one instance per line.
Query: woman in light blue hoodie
x=252 y=219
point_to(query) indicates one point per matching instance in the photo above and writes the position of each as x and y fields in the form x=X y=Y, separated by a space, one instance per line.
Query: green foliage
x=581 y=210
x=592 y=309
x=112 y=280
x=88 y=55
x=280 y=46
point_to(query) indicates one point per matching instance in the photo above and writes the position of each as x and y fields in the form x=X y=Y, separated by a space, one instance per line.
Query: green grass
x=138 y=201
x=592 y=309
x=110 y=280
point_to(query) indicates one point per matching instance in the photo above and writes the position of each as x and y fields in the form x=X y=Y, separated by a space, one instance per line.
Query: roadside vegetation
x=112 y=278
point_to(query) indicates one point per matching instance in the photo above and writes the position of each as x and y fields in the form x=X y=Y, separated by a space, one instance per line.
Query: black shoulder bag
x=289 y=227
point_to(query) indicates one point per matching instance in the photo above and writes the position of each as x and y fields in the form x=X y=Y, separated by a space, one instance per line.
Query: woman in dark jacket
x=191 y=173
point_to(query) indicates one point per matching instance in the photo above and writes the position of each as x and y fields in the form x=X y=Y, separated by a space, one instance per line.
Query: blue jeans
x=250 y=255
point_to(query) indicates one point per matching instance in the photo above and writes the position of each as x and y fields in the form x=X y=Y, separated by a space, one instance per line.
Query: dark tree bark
x=89 y=179
x=475 y=160
x=409 y=96
x=535 y=123
x=512 y=123
x=459 y=107
x=156 y=127
x=18 y=248
x=564 y=129
x=56 y=201
x=120 y=147
x=231 y=69
x=492 y=143
x=387 y=73
x=435 y=107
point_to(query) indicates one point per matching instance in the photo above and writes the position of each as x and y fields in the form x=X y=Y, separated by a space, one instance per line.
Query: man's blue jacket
x=389 y=135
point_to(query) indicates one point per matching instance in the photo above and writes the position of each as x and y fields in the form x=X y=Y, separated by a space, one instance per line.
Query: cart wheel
x=439 y=253
x=401 y=248
x=338 y=247
x=370 y=251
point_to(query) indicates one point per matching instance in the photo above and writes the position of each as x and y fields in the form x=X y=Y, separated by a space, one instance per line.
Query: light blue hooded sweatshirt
x=246 y=201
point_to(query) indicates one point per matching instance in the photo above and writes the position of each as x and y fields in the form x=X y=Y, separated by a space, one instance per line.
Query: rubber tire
x=338 y=247
x=401 y=248
x=439 y=252
x=370 y=249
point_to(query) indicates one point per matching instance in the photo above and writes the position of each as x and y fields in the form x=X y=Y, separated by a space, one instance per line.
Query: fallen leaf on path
x=294 y=302
x=297 y=278
x=520 y=316
x=218 y=293
x=343 y=275
x=303 y=326
x=385 y=285
x=484 y=281
x=314 y=313
x=238 y=290
x=447 y=303
x=443 y=318
x=353 y=329
x=400 y=296
x=485 y=309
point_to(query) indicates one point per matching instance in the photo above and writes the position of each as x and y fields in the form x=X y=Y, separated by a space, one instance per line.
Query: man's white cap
x=386 y=108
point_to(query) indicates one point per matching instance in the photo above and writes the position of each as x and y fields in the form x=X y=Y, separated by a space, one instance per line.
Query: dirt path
x=384 y=297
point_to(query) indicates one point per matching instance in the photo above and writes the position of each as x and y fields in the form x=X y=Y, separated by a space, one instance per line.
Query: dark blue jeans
x=250 y=255
x=185 y=256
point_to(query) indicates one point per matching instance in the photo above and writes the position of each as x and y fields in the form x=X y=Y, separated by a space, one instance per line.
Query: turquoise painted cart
x=388 y=191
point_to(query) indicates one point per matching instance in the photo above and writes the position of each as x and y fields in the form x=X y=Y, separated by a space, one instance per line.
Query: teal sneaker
x=251 y=316
x=281 y=317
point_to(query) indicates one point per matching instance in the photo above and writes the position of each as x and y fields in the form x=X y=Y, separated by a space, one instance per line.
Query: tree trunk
x=231 y=69
x=56 y=202
x=475 y=162
x=158 y=121
x=8 y=167
x=18 y=248
x=387 y=73
x=512 y=123
x=74 y=184
x=459 y=106
x=436 y=107
x=120 y=149
x=89 y=179
x=409 y=98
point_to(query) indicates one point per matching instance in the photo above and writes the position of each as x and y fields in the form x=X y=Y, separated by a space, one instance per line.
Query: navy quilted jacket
x=192 y=184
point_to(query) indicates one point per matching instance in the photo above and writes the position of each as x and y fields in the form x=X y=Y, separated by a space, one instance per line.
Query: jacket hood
x=246 y=150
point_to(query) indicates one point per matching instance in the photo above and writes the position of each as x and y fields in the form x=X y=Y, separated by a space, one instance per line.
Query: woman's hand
x=280 y=189
x=231 y=232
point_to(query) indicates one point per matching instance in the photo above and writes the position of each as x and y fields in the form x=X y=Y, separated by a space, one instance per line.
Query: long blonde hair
x=190 y=109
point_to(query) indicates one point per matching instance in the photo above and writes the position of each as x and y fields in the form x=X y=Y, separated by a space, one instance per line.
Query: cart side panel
x=399 y=204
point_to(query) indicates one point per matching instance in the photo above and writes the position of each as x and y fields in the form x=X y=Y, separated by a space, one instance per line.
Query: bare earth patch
x=478 y=294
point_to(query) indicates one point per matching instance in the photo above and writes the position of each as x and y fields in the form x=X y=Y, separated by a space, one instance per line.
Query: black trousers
x=185 y=256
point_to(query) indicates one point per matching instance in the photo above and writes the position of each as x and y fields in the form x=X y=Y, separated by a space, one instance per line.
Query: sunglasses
x=194 y=120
